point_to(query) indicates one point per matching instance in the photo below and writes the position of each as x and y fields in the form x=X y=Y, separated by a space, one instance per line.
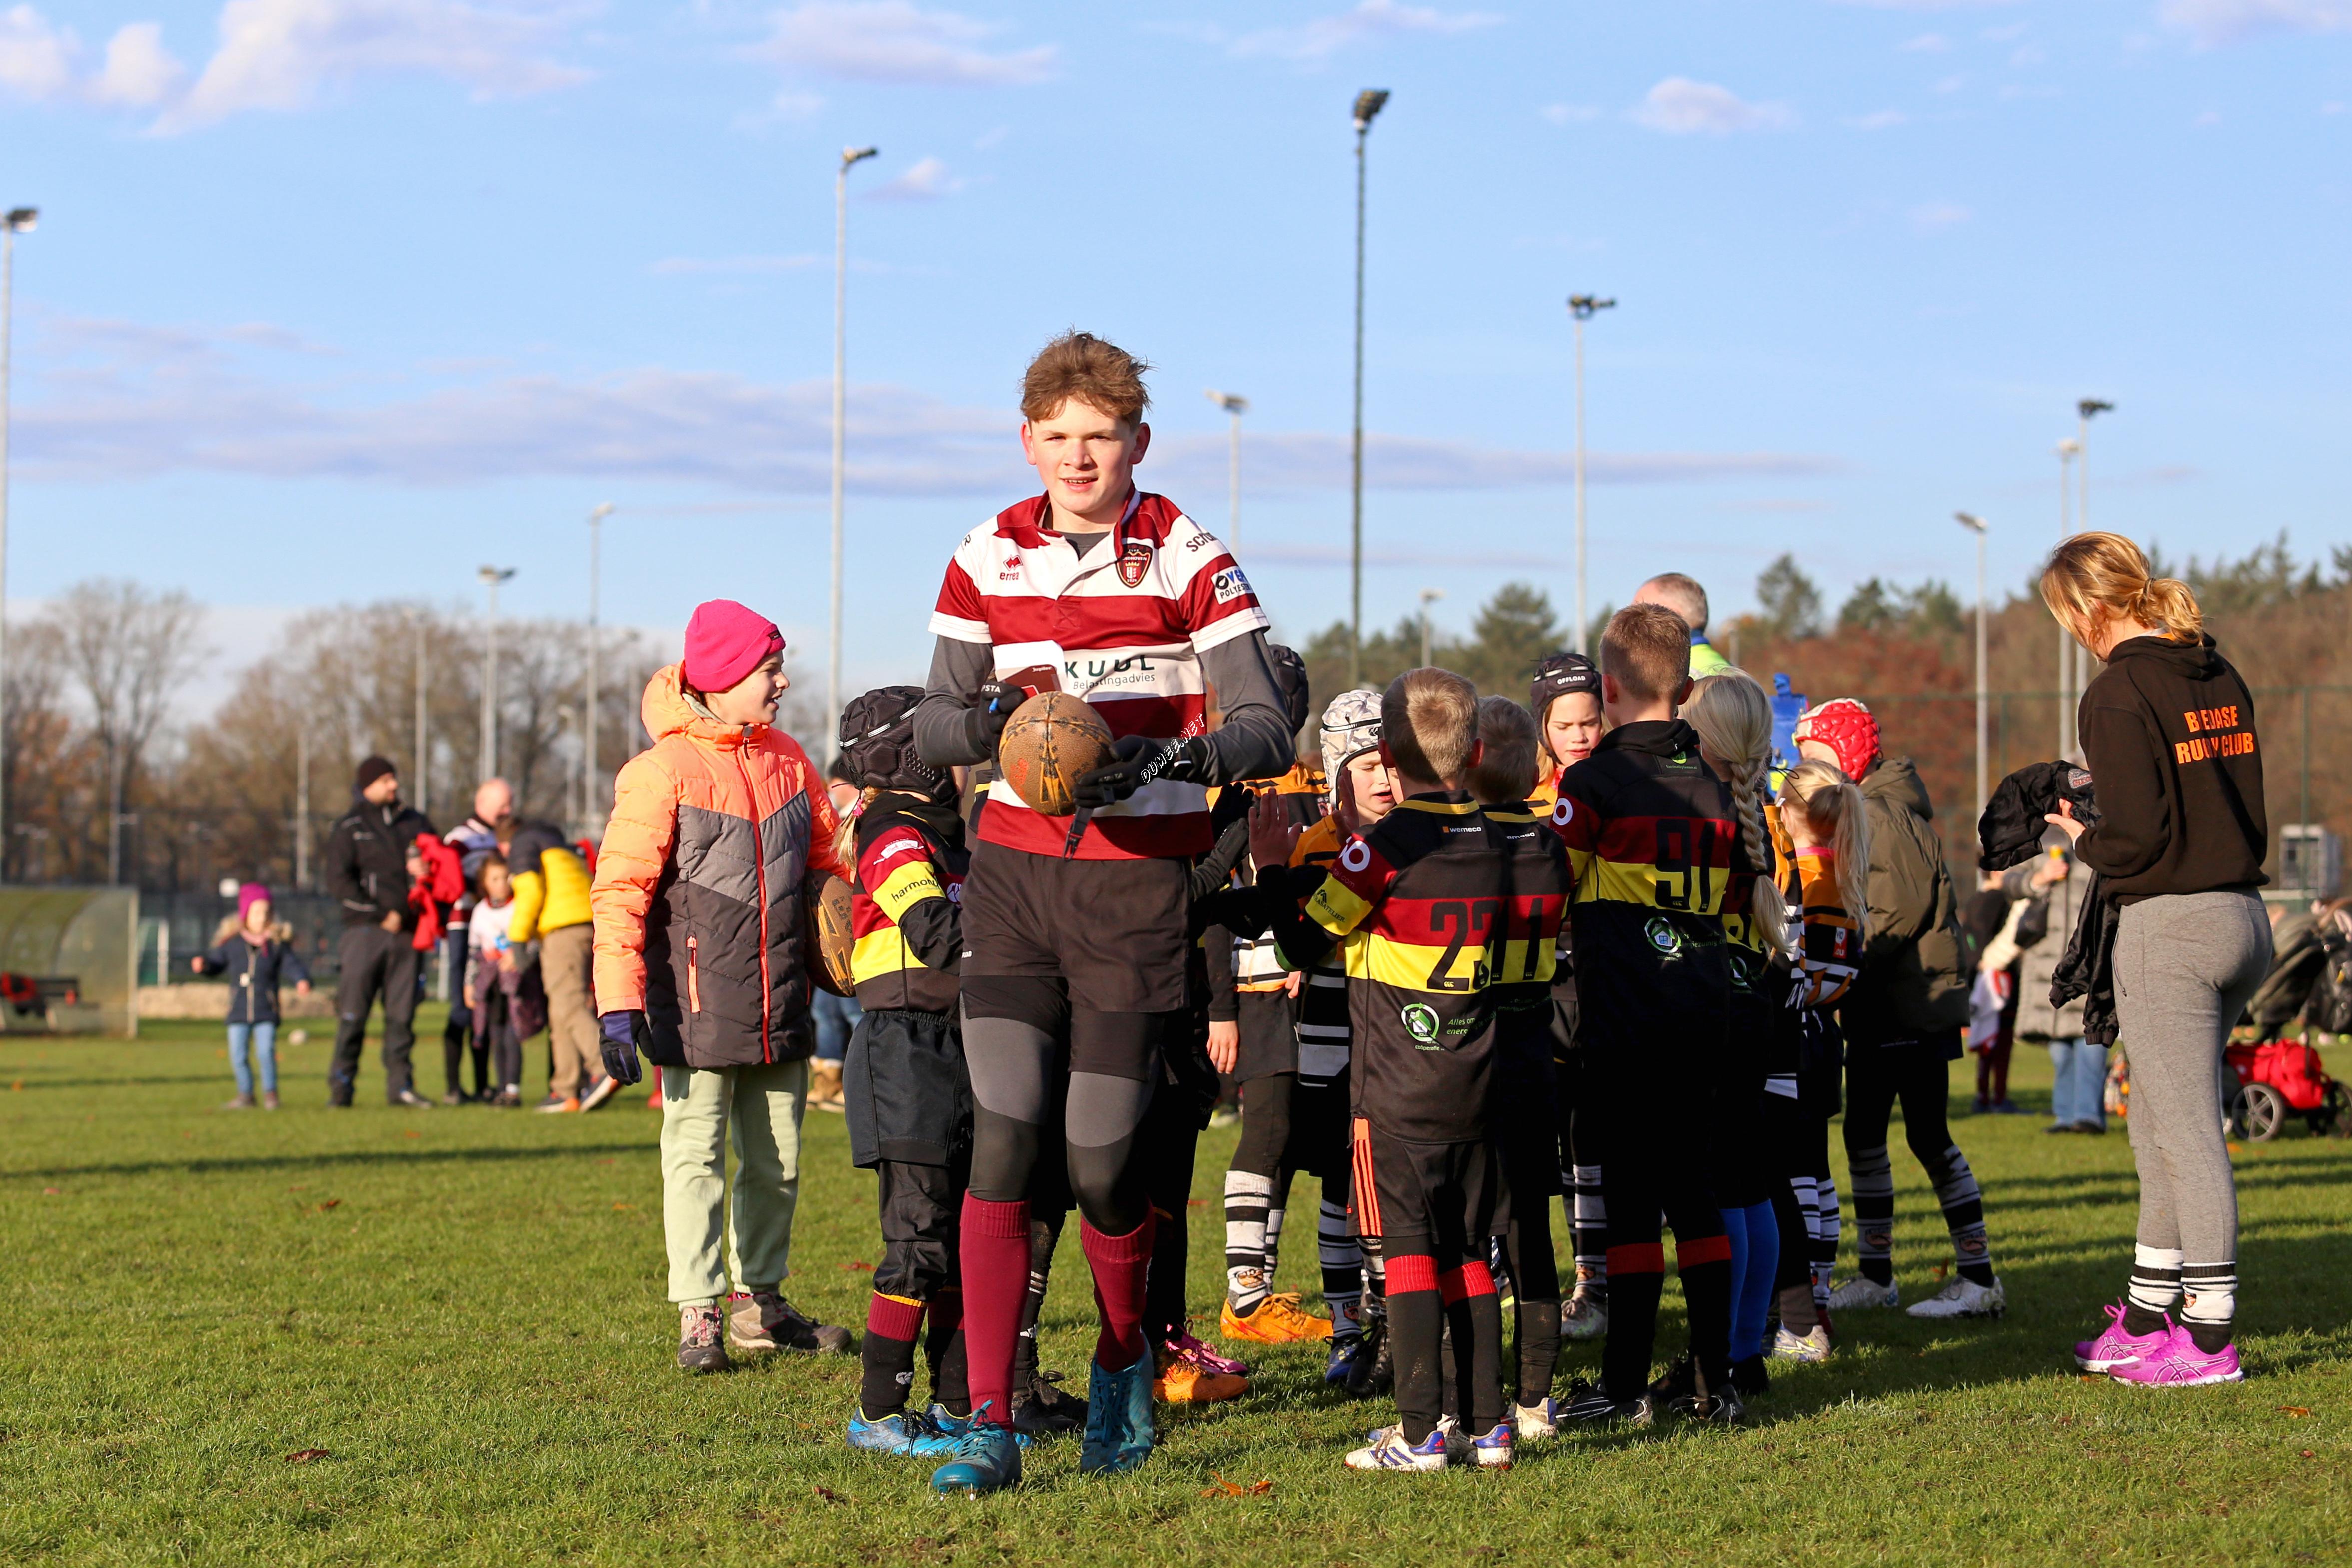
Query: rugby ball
x=1054 y=738
x=826 y=945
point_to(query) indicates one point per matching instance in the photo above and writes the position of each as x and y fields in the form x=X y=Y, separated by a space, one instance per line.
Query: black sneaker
x=1750 y=1378
x=1042 y=1410
x=1372 y=1371
x=1682 y=1392
x=1589 y=1405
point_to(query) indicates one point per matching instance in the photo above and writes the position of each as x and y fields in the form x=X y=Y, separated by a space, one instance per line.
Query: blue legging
x=1755 y=1237
x=263 y=1039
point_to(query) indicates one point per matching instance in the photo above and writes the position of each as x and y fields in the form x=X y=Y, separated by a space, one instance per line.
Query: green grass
x=465 y=1309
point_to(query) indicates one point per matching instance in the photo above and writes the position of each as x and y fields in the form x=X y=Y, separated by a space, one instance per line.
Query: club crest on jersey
x=1421 y=1022
x=1663 y=935
x=1133 y=562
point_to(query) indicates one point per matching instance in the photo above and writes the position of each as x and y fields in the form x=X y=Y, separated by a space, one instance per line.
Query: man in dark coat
x=367 y=873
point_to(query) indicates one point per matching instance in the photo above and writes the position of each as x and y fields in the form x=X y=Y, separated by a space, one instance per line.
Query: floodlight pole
x=1582 y=306
x=19 y=220
x=2085 y=411
x=491 y=576
x=1976 y=525
x=591 y=795
x=1427 y=594
x=2067 y=450
x=850 y=156
x=1236 y=406
x=1369 y=104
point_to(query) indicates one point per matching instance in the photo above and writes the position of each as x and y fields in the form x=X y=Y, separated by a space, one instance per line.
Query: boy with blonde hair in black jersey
x=1415 y=904
x=1655 y=847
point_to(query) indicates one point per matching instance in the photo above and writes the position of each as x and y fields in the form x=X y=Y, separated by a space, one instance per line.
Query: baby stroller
x=2280 y=1078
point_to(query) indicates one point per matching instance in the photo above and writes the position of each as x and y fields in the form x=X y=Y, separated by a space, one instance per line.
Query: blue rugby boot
x=1118 y=1418
x=902 y=1433
x=985 y=1459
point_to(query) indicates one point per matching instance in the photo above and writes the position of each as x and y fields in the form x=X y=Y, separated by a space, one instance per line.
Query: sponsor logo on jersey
x=1563 y=811
x=1663 y=935
x=1134 y=561
x=1421 y=1022
x=1356 y=856
x=1230 y=584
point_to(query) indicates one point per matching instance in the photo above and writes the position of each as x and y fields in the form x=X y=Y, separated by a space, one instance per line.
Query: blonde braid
x=844 y=837
x=1734 y=721
x=1767 y=906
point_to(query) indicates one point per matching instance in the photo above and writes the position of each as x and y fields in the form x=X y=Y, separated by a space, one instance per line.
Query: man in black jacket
x=367 y=872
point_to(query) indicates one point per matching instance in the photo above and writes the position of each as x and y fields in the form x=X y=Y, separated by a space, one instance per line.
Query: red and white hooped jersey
x=1126 y=625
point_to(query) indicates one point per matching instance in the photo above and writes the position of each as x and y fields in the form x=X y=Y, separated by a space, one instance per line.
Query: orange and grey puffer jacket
x=700 y=893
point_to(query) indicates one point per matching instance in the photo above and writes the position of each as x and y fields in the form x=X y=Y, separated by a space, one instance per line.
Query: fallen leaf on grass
x=830 y=1495
x=330 y=1203
x=2297 y=1409
x=1226 y=1489
x=605 y=1161
x=1941 y=1270
x=624 y=1207
x=17 y=1087
x=304 y=1456
x=304 y=1187
x=2307 y=1453
x=52 y=1192
x=411 y=1132
x=1196 y=1203
x=856 y=1266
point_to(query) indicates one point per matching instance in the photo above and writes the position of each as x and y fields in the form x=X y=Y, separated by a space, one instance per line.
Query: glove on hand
x=624 y=1031
x=1135 y=762
x=992 y=703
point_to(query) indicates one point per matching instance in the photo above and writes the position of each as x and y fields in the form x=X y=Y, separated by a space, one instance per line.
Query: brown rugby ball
x=824 y=946
x=1053 y=740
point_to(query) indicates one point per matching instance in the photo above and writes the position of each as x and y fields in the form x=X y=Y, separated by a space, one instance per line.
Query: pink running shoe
x=2180 y=1364
x=1182 y=1346
x=2116 y=1348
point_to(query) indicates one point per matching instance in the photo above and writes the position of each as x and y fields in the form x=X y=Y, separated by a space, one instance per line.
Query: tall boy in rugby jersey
x=1075 y=928
x=1656 y=850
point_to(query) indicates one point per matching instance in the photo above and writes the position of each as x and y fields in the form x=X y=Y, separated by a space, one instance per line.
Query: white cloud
x=2213 y=23
x=1925 y=44
x=117 y=400
x=1681 y=106
x=900 y=43
x=926 y=179
x=723 y=266
x=139 y=73
x=1365 y=21
x=1932 y=217
x=1568 y=113
x=1880 y=120
x=279 y=53
x=1926 y=4
x=2331 y=106
x=36 y=57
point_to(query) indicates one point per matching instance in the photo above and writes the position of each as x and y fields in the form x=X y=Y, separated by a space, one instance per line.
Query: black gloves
x=625 y=1035
x=992 y=703
x=1138 y=761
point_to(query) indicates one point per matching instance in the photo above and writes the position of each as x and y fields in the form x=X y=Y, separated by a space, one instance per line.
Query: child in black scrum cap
x=908 y=1095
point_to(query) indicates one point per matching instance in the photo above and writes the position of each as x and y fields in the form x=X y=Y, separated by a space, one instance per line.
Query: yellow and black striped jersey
x=1654 y=845
x=905 y=911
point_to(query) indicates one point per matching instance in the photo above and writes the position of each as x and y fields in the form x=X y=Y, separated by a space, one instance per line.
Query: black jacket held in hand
x=2168 y=731
x=2016 y=819
x=367 y=861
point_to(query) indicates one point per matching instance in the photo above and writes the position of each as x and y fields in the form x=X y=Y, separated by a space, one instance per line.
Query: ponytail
x=1830 y=800
x=844 y=837
x=2092 y=572
x=1734 y=720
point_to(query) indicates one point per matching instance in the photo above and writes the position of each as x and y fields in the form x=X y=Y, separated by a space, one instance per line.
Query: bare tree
x=129 y=651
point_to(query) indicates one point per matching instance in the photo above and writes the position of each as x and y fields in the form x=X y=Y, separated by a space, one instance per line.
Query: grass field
x=465 y=1309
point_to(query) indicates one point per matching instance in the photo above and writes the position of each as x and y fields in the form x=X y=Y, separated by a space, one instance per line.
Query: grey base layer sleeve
x=1254 y=742
x=2184 y=965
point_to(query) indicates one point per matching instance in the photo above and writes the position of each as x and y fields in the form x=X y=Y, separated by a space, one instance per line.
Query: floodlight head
x=22 y=220
x=1428 y=593
x=2069 y=448
x=494 y=575
x=1583 y=306
x=1231 y=402
x=857 y=155
x=2091 y=405
x=1971 y=521
x=1369 y=104
x=602 y=510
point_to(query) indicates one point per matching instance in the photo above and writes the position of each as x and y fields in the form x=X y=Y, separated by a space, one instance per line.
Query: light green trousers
x=717 y=1229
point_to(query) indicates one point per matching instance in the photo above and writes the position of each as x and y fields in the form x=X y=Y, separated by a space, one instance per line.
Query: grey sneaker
x=1859 y=1292
x=242 y=1102
x=764 y=1321
x=699 y=1336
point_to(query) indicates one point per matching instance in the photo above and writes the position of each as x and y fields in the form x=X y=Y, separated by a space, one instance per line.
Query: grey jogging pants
x=2184 y=968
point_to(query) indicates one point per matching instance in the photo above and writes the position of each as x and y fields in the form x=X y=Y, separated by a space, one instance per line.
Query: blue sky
x=337 y=299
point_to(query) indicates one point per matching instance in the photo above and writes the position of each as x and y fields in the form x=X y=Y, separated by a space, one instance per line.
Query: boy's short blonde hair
x=1429 y=721
x=1505 y=769
x=1647 y=648
x=1082 y=366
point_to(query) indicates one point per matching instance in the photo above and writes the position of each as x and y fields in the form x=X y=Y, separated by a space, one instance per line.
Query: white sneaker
x=1586 y=1315
x=1390 y=1452
x=1858 y=1292
x=1812 y=1346
x=1963 y=1298
x=1536 y=1422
